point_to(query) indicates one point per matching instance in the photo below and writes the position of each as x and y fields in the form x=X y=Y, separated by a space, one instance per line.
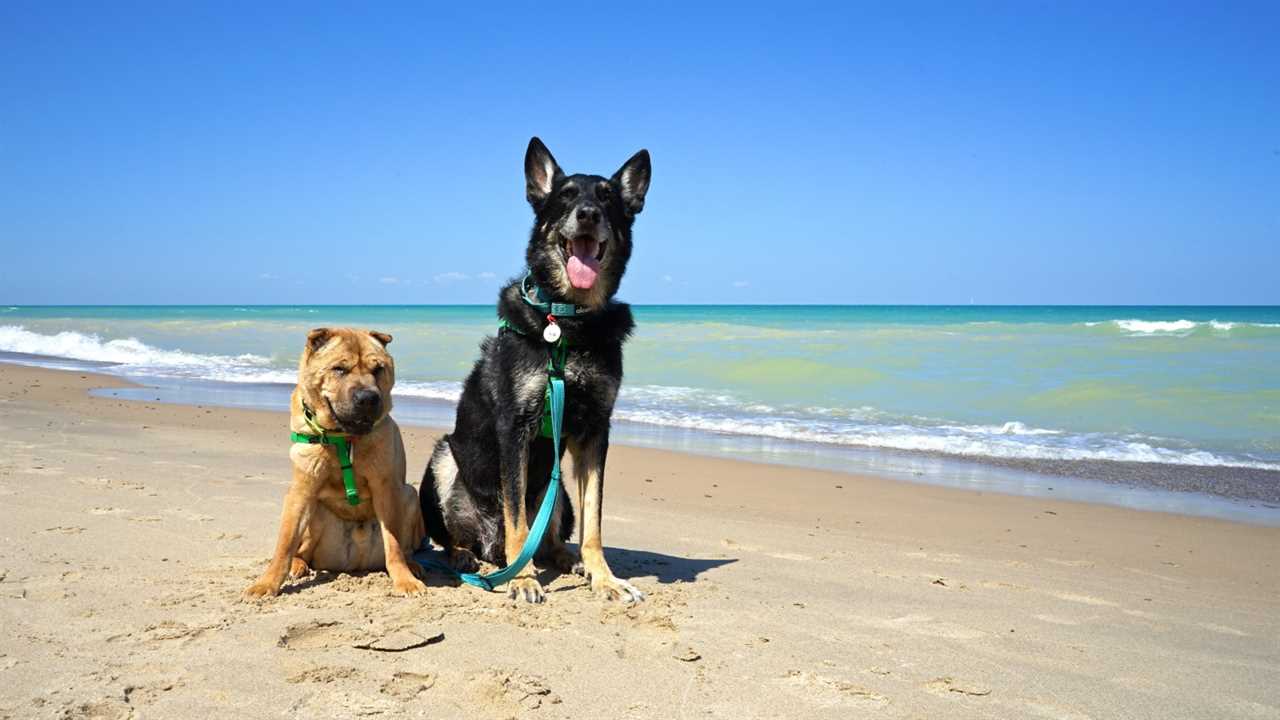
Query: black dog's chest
x=589 y=393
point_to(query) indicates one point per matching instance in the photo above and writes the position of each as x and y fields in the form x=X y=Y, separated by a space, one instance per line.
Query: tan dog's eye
x=377 y=369
x=340 y=371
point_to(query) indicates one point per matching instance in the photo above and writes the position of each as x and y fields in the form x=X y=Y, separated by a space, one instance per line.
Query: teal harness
x=552 y=421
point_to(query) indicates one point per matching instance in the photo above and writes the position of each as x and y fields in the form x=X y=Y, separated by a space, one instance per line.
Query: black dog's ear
x=317 y=338
x=632 y=180
x=540 y=172
x=381 y=337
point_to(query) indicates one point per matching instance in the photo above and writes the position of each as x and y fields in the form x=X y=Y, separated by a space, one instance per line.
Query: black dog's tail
x=429 y=497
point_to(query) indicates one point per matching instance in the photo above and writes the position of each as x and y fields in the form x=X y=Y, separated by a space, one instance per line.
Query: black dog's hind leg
x=458 y=549
x=515 y=430
x=552 y=553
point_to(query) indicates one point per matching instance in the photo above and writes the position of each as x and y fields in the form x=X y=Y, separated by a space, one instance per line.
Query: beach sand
x=130 y=529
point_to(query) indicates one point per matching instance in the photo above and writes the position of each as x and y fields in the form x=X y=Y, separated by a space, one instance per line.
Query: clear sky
x=1027 y=152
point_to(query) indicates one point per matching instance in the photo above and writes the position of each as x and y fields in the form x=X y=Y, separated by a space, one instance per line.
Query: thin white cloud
x=667 y=279
x=485 y=276
x=741 y=283
x=389 y=280
x=451 y=277
x=268 y=276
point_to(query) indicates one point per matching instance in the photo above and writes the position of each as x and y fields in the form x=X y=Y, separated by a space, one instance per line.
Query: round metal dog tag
x=551 y=333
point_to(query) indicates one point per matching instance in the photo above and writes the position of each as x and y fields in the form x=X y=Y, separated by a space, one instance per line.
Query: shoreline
x=1233 y=493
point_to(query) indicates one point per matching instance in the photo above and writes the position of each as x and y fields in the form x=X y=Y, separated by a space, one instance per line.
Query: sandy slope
x=130 y=529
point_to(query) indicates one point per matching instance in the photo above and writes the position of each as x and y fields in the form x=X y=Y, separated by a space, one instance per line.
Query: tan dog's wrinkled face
x=346 y=377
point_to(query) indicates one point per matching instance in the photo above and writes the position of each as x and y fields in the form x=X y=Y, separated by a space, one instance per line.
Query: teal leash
x=555 y=399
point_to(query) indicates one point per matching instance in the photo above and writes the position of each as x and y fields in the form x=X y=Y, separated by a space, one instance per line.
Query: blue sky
x=847 y=153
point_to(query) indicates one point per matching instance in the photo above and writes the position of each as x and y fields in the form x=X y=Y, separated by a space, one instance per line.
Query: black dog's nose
x=368 y=401
x=588 y=214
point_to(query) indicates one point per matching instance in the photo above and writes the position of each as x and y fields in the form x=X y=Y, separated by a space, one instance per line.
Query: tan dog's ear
x=317 y=338
x=381 y=337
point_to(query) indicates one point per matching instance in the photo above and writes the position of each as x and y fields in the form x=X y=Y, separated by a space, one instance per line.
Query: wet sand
x=130 y=529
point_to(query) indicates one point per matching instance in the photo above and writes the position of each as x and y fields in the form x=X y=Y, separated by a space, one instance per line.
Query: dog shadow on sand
x=627 y=563
x=665 y=569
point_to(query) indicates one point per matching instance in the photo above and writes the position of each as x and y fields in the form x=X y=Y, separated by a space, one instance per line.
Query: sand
x=129 y=530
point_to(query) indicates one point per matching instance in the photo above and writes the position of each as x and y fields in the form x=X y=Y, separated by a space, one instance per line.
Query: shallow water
x=1192 y=387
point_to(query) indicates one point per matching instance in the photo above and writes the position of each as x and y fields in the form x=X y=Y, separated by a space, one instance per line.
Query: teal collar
x=536 y=298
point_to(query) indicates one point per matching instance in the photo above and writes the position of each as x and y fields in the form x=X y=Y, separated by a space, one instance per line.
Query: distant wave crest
x=1180 y=327
x=135 y=356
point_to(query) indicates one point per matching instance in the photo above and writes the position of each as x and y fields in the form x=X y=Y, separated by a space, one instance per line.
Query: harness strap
x=341 y=442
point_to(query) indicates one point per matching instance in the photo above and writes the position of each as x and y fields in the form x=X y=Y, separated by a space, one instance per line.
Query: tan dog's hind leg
x=588 y=466
x=389 y=506
x=301 y=565
x=298 y=503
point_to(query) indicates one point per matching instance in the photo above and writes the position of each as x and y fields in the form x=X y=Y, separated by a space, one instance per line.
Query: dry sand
x=129 y=530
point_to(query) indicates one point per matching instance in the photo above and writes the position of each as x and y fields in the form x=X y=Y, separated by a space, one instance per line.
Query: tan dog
x=344 y=384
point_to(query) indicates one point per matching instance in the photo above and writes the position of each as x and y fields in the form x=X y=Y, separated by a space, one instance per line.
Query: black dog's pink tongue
x=583 y=266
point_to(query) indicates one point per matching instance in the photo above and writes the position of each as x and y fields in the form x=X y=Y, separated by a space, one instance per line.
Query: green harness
x=338 y=440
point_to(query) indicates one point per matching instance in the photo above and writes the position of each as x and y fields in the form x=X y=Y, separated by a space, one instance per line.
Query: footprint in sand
x=104 y=709
x=142 y=695
x=406 y=685
x=829 y=691
x=323 y=674
x=108 y=511
x=503 y=693
x=951 y=687
x=314 y=635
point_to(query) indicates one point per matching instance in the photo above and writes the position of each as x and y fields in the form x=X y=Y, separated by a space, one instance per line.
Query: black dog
x=487 y=477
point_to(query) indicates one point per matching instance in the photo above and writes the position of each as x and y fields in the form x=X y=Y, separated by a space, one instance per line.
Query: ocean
x=1172 y=405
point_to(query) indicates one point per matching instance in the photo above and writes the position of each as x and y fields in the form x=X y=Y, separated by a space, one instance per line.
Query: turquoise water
x=1190 y=386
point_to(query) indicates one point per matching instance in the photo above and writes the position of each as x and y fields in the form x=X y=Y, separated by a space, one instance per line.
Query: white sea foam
x=1148 y=327
x=441 y=390
x=1009 y=440
x=134 y=356
x=1180 y=327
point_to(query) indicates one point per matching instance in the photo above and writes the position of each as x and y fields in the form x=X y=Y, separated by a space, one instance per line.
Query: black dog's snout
x=368 y=401
x=588 y=214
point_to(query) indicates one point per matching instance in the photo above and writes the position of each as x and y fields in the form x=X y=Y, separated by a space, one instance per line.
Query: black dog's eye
x=569 y=192
x=603 y=191
x=340 y=371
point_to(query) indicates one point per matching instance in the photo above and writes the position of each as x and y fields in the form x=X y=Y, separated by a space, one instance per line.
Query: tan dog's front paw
x=299 y=568
x=262 y=588
x=408 y=585
x=614 y=588
x=526 y=587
